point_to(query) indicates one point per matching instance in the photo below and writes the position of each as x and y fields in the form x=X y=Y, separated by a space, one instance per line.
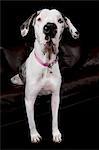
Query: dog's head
x=48 y=27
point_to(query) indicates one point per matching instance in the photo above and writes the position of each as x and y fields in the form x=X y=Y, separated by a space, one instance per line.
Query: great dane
x=41 y=69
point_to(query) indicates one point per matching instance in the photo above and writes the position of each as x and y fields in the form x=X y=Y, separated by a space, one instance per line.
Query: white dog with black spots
x=42 y=69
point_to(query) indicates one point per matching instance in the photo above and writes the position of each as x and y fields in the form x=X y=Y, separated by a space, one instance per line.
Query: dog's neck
x=43 y=54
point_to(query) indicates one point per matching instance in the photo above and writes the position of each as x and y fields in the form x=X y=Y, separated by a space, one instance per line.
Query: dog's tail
x=16 y=80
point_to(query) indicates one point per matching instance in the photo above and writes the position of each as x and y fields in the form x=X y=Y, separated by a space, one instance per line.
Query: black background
x=84 y=15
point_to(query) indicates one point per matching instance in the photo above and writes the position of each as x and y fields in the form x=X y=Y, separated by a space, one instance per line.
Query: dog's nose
x=50 y=29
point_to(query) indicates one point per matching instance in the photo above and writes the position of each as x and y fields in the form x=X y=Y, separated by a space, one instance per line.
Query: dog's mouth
x=50 y=46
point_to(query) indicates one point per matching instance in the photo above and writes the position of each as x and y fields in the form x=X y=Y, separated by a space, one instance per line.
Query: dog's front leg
x=30 y=97
x=55 y=106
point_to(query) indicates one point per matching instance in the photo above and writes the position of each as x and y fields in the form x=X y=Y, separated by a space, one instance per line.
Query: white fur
x=72 y=29
x=24 y=32
x=46 y=16
x=39 y=79
x=16 y=80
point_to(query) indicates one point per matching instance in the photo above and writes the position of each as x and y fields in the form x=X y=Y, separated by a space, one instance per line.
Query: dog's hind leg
x=17 y=80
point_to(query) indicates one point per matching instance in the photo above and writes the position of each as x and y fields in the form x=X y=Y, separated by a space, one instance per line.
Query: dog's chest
x=48 y=82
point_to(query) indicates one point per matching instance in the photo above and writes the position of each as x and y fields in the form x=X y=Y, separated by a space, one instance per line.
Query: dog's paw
x=57 y=137
x=16 y=80
x=35 y=137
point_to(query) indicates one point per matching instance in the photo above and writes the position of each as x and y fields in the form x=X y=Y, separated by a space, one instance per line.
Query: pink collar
x=45 y=64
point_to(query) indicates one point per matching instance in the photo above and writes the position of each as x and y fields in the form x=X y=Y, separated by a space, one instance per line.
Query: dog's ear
x=24 y=28
x=73 y=31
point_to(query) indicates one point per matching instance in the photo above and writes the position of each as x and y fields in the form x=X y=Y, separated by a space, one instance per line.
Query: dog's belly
x=45 y=92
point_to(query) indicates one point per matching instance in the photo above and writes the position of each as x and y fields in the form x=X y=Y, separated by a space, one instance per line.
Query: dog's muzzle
x=50 y=30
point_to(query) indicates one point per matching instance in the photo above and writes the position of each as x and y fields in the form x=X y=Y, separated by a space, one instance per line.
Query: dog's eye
x=39 y=19
x=60 y=20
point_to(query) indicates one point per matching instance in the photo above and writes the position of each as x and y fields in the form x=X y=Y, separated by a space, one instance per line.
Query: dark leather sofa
x=80 y=83
x=77 y=75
